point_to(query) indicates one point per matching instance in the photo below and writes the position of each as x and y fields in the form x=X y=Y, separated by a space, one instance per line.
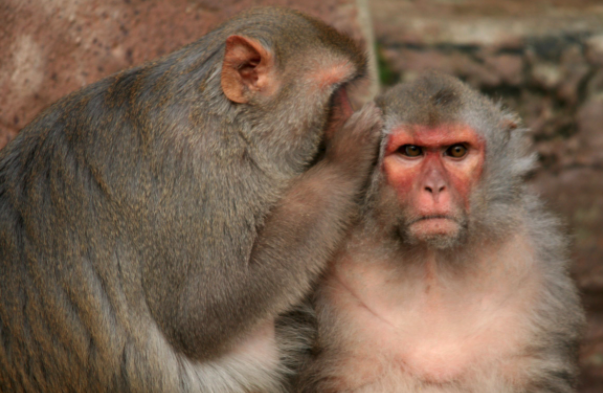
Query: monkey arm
x=303 y=230
x=281 y=259
x=229 y=300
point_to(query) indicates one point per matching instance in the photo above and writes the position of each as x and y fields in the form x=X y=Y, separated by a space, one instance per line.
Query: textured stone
x=590 y=126
x=546 y=75
x=575 y=71
x=509 y=68
x=410 y=62
x=594 y=50
x=594 y=86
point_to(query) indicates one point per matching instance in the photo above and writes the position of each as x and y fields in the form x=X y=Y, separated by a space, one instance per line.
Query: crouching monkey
x=154 y=224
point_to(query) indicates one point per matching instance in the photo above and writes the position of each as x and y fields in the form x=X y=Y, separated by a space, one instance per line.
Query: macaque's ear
x=510 y=123
x=248 y=67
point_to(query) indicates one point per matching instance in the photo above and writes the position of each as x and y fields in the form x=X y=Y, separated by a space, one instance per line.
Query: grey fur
x=501 y=207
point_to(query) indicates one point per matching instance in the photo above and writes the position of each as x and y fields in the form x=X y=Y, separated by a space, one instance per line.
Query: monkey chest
x=423 y=336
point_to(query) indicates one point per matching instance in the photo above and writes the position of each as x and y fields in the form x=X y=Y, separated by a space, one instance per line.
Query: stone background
x=542 y=58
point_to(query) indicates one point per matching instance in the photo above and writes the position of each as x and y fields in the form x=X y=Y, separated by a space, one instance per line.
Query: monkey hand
x=355 y=147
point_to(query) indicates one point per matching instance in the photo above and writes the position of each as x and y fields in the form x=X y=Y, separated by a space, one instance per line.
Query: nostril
x=434 y=183
x=435 y=189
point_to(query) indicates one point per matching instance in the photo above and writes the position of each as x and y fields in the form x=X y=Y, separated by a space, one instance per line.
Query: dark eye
x=456 y=151
x=411 y=150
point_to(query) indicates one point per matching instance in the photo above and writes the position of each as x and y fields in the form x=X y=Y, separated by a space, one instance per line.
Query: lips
x=434 y=225
x=434 y=217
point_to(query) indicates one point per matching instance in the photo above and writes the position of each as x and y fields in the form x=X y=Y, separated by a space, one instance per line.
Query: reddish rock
x=547 y=75
x=594 y=86
x=575 y=72
x=590 y=126
x=509 y=68
x=410 y=62
x=594 y=50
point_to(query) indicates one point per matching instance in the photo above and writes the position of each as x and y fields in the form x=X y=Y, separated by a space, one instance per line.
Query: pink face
x=433 y=171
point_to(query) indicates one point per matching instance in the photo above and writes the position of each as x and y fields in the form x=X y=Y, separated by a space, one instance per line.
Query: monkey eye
x=456 y=151
x=411 y=150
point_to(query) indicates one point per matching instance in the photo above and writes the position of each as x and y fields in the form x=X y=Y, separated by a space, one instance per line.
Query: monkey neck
x=381 y=278
x=469 y=257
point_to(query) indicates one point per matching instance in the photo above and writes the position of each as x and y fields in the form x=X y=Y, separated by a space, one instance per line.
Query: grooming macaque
x=456 y=280
x=154 y=224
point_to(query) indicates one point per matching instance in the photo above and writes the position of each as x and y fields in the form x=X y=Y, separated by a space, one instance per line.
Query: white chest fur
x=429 y=326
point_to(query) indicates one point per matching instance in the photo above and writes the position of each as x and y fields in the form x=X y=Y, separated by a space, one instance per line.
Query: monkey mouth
x=433 y=217
x=434 y=226
x=439 y=231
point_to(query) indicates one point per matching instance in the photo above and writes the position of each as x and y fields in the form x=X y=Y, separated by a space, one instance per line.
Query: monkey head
x=433 y=171
x=287 y=72
x=451 y=164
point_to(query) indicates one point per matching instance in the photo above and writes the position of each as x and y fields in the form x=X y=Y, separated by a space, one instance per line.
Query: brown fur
x=151 y=229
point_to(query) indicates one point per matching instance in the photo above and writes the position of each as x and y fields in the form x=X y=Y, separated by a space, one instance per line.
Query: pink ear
x=247 y=68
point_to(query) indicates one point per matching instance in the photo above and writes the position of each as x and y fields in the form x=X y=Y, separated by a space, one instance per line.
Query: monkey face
x=432 y=171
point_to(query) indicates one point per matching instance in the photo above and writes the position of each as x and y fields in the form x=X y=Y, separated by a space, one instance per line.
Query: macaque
x=154 y=225
x=456 y=280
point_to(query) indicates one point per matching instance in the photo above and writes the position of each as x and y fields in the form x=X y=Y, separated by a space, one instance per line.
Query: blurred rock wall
x=543 y=59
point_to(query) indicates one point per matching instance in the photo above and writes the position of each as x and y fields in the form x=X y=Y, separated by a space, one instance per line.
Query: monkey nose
x=434 y=184
x=434 y=189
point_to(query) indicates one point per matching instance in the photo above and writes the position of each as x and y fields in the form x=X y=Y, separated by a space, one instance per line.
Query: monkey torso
x=455 y=279
x=432 y=322
x=99 y=336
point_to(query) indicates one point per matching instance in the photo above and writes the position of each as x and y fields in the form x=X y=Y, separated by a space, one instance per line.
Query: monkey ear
x=510 y=123
x=247 y=68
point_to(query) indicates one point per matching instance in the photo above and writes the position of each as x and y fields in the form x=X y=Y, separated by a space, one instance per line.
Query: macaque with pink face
x=455 y=280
